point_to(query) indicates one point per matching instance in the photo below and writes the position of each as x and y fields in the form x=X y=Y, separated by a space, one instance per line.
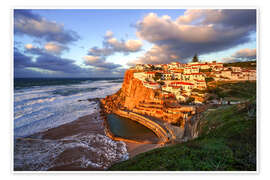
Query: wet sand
x=86 y=124
x=80 y=145
x=74 y=142
x=90 y=123
x=137 y=148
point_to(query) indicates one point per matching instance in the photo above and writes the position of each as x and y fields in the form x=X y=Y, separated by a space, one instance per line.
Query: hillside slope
x=227 y=141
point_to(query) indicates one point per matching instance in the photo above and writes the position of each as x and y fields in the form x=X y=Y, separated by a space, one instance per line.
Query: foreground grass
x=227 y=142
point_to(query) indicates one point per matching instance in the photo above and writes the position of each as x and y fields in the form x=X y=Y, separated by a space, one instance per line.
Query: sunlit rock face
x=134 y=96
x=132 y=92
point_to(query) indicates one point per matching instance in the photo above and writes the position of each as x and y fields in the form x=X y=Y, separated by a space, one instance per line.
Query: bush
x=209 y=79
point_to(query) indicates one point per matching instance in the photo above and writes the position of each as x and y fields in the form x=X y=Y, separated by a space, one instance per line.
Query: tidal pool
x=127 y=128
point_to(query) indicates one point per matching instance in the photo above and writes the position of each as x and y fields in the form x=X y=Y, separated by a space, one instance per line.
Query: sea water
x=44 y=103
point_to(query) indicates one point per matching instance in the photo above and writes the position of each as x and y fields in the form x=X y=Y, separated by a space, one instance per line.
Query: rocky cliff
x=135 y=97
x=131 y=94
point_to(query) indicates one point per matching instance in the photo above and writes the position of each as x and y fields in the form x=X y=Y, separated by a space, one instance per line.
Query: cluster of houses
x=181 y=80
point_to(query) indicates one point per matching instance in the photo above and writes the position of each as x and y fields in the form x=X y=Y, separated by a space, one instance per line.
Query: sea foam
x=42 y=107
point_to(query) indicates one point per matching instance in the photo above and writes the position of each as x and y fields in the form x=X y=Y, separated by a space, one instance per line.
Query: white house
x=150 y=74
x=182 y=85
x=140 y=75
x=187 y=70
x=200 y=84
x=174 y=65
x=236 y=69
x=151 y=85
x=192 y=76
x=139 y=67
x=226 y=74
x=167 y=76
x=177 y=75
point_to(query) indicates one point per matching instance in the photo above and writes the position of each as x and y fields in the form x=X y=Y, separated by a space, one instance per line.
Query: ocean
x=47 y=132
x=43 y=103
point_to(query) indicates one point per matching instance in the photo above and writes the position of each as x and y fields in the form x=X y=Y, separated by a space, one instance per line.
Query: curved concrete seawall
x=155 y=127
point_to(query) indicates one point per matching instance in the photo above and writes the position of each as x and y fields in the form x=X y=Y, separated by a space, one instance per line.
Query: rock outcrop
x=135 y=97
x=130 y=95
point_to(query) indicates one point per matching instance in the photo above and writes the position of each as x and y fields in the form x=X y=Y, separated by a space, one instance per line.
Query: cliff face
x=135 y=97
x=134 y=91
x=131 y=93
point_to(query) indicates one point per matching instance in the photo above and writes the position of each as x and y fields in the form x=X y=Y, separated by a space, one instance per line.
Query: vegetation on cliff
x=245 y=64
x=239 y=91
x=227 y=140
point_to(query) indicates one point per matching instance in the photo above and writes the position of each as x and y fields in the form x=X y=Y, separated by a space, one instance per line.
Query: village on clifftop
x=189 y=80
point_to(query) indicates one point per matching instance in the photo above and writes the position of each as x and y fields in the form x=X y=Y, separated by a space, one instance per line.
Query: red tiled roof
x=150 y=72
x=193 y=74
x=199 y=80
x=182 y=83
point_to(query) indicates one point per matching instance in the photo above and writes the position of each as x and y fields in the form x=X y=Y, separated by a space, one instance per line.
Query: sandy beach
x=86 y=124
x=137 y=148
x=81 y=145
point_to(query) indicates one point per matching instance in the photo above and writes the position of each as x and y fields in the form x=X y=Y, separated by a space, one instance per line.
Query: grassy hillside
x=227 y=141
x=240 y=91
x=245 y=64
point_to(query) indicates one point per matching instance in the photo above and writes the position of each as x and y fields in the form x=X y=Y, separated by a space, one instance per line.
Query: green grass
x=246 y=64
x=235 y=91
x=226 y=142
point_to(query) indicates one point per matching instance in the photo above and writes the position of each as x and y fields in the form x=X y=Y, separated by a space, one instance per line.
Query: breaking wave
x=80 y=151
x=38 y=108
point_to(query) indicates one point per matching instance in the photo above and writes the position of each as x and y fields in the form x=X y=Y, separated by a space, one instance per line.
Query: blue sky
x=73 y=43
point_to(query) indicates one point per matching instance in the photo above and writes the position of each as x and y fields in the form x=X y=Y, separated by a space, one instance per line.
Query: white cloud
x=197 y=31
x=53 y=47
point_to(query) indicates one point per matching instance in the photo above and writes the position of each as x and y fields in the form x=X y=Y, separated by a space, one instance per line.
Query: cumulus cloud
x=99 y=62
x=242 y=55
x=44 y=61
x=31 y=49
x=112 y=45
x=91 y=58
x=97 y=56
x=245 y=53
x=156 y=55
x=122 y=46
x=197 y=31
x=29 y=46
x=54 y=47
x=50 y=47
x=21 y=60
x=26 y=22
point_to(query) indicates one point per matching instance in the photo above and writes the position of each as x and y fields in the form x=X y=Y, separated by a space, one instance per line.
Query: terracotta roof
x=152 y=83
x=199 y=80
x=194 y=74
x=150 y=72
x=182 y=83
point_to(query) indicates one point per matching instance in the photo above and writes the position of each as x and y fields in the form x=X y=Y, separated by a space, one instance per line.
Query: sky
x=104 y=43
